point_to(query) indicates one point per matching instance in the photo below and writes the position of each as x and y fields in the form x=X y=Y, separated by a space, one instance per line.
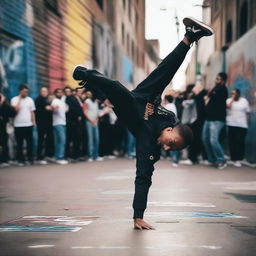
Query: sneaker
x=80 y=73
x=237 y=164
x=61 y=161
x=42 y=162
x=174 y=165
x=186 y=162
x=221 y=165
x=196 y=29
x=4 y=164
x=90 y=160
x=111 y=157
x=99 y=159
x=20 y=164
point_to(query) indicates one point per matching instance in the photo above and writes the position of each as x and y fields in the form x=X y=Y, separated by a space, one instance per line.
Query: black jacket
x=216 y=108
x=43 y=116
x=147 y=153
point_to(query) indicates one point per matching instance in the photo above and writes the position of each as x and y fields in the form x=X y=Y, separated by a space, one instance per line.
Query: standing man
x=24 y=121
x=215 y=116
x=59 y=126
x=45 y=146
x=153 y=126
x=75 y=122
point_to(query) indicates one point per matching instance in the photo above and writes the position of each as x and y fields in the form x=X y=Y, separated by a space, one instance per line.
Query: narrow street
x=85 y=209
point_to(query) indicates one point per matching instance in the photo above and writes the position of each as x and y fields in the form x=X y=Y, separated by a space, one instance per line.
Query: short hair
x=67 y=87
x=23 y=86
x=223 y=76
x=186 y=133
x=237 y=91
x=56 y=90
x=169 y=98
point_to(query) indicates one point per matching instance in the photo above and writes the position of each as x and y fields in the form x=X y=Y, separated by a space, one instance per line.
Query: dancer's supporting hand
x=141 y=224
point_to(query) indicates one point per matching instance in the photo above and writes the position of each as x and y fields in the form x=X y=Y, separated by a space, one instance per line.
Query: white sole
x=190 y=21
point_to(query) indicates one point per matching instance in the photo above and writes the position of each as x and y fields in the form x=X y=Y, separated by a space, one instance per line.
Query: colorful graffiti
x=47 y=224
x=12 y=64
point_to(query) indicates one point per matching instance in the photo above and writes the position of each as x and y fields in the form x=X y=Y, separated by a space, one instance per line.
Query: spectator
x=91 y=112
x=107 y=119
x=169 y=105
x=24 y=121
x=215 y=116
x=6 y=112
x=45 y=145
x=196 y=148
x=75 y=122
x=59 y=125
x=237 y=121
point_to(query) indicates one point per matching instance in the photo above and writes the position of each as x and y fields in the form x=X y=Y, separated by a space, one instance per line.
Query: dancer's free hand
x=141 y=224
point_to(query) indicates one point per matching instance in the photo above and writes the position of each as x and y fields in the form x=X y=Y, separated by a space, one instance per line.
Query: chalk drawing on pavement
x=250 y=185
x=188 y=215
x=47 y=224
x=41 y=246
x=180 y=204
x=115 y=177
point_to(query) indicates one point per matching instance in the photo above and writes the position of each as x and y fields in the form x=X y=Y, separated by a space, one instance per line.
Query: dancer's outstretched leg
x=155 y=83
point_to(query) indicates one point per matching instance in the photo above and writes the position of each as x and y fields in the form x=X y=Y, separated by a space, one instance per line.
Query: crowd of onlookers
x=68 y=126
x=71 y=125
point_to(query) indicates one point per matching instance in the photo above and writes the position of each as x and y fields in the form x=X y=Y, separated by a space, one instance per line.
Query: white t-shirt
x=24 y=117
x=93 y=109
x=236 y=115
x=59 y=115
x=171 y=107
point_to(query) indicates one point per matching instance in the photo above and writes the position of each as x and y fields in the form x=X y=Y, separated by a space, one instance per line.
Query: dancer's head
x=175 y=138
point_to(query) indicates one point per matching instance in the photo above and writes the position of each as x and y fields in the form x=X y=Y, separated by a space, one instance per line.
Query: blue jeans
x=210 y=137
x=175 y=155
x=130 y=145
x=59 y=140
x=93 y=140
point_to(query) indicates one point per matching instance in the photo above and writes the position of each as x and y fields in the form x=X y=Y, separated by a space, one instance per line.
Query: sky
x=160 y=24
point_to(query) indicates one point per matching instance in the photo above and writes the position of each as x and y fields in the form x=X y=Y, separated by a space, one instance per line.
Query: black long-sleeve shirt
x=147 y=153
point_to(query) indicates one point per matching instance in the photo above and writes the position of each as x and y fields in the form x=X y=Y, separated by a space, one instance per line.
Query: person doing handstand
x=153 y=126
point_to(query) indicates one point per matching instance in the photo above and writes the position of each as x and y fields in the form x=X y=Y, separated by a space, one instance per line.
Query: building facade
x=230 y=50
x=42 y=40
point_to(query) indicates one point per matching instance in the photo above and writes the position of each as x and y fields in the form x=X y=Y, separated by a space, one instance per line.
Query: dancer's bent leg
x=122 y=99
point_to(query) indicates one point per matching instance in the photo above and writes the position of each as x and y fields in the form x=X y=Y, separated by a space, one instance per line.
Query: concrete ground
x=85 y=209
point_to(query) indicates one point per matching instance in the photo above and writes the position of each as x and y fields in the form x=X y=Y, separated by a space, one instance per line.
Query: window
x=128 y=44
x=229 y=32
x=123 y=37
x=243 y=24
x=100 y=4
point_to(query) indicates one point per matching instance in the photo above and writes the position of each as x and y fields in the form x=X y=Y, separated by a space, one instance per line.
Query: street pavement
x=85 y=209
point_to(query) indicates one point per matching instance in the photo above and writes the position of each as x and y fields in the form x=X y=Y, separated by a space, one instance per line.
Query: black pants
x=45 y=145
x=129 y=105
x=21 y=134
x=236 y=139
x=74 y=139
x=4 y=150
x=196 y=148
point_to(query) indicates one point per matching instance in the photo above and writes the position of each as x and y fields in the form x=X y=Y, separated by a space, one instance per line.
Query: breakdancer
x=153 y=126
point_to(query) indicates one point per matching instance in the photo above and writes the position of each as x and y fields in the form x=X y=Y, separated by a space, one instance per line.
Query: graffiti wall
x=241 y=67
x=17 y=49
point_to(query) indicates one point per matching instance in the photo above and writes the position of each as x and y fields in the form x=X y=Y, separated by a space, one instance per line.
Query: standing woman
x=237 y=121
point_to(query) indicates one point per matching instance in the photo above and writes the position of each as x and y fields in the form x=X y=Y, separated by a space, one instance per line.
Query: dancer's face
x=170 y=139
